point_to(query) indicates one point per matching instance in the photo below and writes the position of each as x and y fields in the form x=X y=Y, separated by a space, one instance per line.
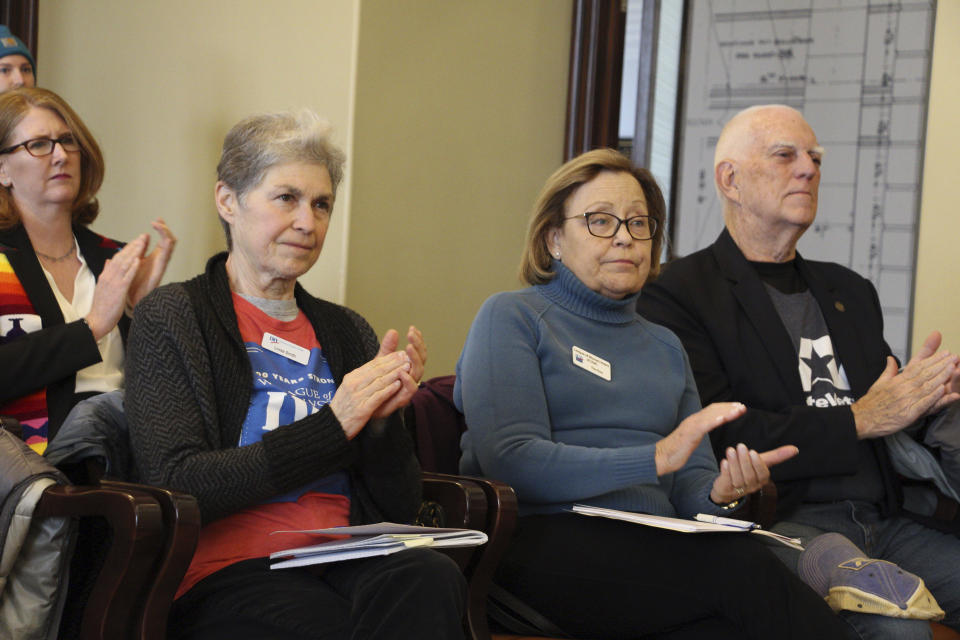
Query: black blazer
x=51 y=356
x=740 y=351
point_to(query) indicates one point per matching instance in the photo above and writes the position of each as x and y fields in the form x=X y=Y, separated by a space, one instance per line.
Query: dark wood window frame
x=22 y=16
x=596 y=66
x=596 y=70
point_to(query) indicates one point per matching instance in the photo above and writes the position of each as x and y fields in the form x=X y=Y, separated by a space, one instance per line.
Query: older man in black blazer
x=801 y=344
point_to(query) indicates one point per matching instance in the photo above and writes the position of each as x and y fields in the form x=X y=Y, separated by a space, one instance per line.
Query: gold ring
x=739 y=491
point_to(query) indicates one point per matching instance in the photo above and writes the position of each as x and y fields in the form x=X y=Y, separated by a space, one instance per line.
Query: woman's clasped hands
x=742 y=470
x=127 y=277
x=381 y=386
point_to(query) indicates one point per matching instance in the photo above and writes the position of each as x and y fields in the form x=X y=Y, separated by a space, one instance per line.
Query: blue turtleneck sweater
x=560 y=433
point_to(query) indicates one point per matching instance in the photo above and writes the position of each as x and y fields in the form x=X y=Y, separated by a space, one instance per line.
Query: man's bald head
x=767 y=174
x=747 y=127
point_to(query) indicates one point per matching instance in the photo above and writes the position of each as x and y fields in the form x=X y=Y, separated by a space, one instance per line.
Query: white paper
x=685 y=526
x=372 y=540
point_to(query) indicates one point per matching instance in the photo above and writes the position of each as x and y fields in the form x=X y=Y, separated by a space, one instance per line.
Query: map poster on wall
x=859 y=72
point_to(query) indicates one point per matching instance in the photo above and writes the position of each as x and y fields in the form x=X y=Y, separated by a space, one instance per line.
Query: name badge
x=593 y=364
x=285 y=348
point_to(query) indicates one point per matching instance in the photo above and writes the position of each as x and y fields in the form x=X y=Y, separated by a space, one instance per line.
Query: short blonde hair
x=14 y=107
x=536 y=265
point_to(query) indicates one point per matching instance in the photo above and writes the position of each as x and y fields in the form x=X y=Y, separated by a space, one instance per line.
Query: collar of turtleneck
x=566 y=290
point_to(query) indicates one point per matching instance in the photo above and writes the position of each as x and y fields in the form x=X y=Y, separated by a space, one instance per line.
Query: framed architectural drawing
x=859 y=71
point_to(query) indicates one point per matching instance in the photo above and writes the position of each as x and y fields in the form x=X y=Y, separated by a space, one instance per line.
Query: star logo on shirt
x=819 y=367
x=818 y=364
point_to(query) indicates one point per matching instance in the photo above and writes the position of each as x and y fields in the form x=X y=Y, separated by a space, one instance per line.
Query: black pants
x=417 y=593
x=599 y=578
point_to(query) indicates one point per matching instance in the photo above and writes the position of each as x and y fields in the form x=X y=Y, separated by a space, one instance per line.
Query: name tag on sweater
x=593 y=364
x=285 y=348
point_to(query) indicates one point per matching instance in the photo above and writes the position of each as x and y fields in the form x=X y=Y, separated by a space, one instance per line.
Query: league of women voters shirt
x=291 y=380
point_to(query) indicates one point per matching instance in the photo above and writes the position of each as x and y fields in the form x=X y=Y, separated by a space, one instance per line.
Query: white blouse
x=106 y=375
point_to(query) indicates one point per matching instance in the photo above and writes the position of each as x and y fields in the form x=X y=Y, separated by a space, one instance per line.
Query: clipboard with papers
x=369 y=540
x=702 y=524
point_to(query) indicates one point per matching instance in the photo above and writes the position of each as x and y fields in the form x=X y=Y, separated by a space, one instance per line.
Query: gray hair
x=259 y=142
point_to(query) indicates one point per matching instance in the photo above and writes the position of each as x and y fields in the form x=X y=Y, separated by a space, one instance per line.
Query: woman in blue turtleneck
x=571 y=397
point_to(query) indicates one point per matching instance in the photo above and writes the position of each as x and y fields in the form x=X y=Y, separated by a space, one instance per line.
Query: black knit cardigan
x=189 y=381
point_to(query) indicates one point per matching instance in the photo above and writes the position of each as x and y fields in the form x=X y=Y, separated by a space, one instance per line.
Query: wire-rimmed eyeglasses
x=606 y=225
x=39 y=147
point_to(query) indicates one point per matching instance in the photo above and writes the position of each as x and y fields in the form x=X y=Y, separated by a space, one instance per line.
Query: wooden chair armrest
x=464 y=506
x=181 y=518
x=138 y=533
x=462 y=499
x=501 y=520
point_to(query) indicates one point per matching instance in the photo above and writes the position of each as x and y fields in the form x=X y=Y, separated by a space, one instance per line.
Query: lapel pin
x=839 y=306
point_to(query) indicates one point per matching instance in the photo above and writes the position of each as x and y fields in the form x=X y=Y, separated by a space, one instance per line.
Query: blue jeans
x=930 y=554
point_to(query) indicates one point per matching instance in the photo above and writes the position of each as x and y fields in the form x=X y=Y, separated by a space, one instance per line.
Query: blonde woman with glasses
x=65 y=291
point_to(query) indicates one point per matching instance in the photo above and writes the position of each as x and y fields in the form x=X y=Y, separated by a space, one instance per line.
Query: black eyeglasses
x=39 y=147
x=606 y=225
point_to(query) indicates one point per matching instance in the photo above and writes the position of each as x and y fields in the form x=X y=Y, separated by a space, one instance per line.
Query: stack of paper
x=703 y=524
x=372 y=540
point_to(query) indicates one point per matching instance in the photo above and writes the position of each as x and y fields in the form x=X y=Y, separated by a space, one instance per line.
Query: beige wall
x=937 y=292
x=159 y=84
x=458 y=112
x=459 y=120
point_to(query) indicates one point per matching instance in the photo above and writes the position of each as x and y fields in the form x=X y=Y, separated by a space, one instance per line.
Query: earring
x=557 y=255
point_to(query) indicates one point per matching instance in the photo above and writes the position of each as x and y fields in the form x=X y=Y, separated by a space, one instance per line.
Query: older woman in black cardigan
x=279 y=411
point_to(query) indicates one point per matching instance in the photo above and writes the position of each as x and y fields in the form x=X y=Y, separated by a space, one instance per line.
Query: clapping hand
x=744 y=471
x=153 y=265
x=673 y=451
x=416 y=349
x=381 y=386
x=928 y=383
x=416 y=352
x=113 y=285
